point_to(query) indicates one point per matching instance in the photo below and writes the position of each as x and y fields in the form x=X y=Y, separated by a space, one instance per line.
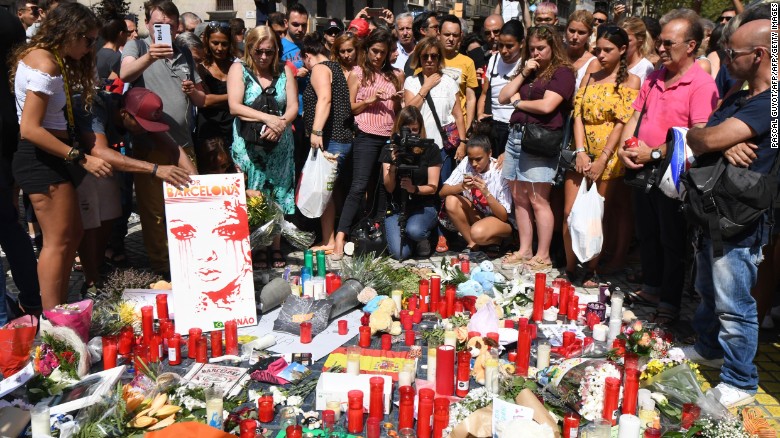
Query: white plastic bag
x=316 y=185
x=585 y=223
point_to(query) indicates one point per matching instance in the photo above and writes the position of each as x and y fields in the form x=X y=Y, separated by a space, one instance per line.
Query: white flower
x=659 y=398
x=676 y=354
x=294 y=400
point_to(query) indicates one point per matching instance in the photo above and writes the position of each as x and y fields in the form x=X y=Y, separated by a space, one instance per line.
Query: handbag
x=450 y=137
x=540 y=141
x=568 y=158
x=649 y=175
x=266 y=103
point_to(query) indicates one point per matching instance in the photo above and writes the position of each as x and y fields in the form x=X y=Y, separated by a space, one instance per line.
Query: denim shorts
x=343 y=149
x=525 y=167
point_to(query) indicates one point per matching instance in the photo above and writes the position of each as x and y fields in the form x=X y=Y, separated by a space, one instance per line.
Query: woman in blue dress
x=270 y=168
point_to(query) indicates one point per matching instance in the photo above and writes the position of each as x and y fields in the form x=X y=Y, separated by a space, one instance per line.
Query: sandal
x=441 y=245
x=664 y=317
x=569 y=276
x=278 y=259
x=591 y=280
x=514 y=259
x=262 y=260
x=640 y=298
x=538 y=265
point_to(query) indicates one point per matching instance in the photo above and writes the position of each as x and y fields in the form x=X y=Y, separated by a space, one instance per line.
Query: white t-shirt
x=643 y=68
x=510 y=10
x=499 y=74
x=444 y=96
x=581 y=73
x=497 y=185
x=403 y=56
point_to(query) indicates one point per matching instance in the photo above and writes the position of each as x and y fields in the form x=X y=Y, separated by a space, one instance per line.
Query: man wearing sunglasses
x=726 y=321
x=490 y=29
x=727 y=15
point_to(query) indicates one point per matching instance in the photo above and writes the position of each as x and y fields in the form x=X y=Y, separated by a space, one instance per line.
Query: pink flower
x=637 y=326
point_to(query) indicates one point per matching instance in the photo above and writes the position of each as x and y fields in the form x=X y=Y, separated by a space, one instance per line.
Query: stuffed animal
x=469 y=288
x=381 y=319
x=480 y=350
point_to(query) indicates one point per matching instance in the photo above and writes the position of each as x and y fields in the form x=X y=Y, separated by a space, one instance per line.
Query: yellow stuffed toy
x=480 y=349
x=381 y=319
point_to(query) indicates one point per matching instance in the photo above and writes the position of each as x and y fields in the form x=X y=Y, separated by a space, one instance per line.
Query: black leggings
x=365 y=153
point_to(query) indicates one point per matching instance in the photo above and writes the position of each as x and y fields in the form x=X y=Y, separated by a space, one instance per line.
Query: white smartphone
x=162 y=34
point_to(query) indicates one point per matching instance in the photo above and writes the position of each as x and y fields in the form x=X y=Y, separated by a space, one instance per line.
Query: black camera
x=409 y=149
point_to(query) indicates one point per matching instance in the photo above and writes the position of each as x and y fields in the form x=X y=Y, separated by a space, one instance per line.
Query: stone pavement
x=767 y=358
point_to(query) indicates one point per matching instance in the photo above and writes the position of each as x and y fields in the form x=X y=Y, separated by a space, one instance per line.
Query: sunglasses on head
x=219 y=25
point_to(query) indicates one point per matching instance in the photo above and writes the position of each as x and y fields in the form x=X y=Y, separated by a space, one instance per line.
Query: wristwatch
x=655 y=154
x=74 y=155
x=317 y=133
x=514 y=104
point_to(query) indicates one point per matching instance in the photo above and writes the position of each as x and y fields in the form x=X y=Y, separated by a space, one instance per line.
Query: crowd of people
x=97 y=118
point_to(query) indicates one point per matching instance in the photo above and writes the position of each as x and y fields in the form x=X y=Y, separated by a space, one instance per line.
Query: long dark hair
x=378 y=36
x=619 y=38
x=213 y=27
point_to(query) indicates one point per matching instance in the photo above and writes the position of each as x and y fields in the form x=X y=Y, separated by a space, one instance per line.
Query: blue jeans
x=343 y=149
x=448 y=164
x=726 y=320
x=419 y=224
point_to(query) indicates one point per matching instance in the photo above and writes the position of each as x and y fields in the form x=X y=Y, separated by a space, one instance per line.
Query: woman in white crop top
x=45 y=165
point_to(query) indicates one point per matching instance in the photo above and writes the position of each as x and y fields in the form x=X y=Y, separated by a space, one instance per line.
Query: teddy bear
x=480 y=350
x=469 y=288
x=381 y=319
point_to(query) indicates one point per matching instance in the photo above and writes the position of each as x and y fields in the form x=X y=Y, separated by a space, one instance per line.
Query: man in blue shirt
x=297 y=24
x=727 y=319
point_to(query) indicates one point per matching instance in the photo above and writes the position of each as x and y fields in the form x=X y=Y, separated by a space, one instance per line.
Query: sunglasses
x=731 y=54
x=219 y=25
x=668 y=43
x=266 y=52
x=600 y=20
x=333 y=32
x=429 y=56
x=724 y=18
x=90 y=40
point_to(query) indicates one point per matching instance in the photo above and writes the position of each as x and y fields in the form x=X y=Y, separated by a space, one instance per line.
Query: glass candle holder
x=364 y=339
x=599 y=309
x=305 y=333
x=343 y=327
x=353 y=360
x=214 y=409
x=287 y=417
x=265 y=409
x=40 y=420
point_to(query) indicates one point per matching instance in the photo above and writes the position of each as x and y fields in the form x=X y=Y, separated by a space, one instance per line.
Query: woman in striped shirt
x=375 y=92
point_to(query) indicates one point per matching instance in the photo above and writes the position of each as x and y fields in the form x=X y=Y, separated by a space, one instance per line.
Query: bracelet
x=421 y=95
x=578 y=150
x=522 y=74
x=154 y=170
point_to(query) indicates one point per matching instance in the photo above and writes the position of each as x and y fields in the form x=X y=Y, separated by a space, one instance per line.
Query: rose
x=645 y=340
x=637 y=327
x=462 y=333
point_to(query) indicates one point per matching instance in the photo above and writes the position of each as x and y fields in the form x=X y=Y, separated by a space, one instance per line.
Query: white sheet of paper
x=554 y=332
x=322 y=344
x=147 y=297
x=504 y=412
x=20 y=378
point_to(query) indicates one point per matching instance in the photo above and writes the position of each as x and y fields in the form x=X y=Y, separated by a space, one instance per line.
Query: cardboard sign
x=211 y=261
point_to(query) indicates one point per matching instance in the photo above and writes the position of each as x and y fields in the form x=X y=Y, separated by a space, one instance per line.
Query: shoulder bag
x=540 y=141
x=450 y=137
x=266 y=103
x=649 y=175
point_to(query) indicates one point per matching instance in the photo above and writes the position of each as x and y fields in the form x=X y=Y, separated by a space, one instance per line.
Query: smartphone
x=162 y=34
x=374 y=12
x=263 y=129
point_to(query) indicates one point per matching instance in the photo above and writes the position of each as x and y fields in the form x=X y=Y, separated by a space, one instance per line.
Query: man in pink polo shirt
x=679 y=94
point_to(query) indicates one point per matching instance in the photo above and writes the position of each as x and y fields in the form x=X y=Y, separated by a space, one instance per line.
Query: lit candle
x=540 y=286
x=147 y=322
x=445 y=370
x=543 y=355
x=353 y=361
x=629 y=426
x=600 y=332
x=231 y=338
x=40 y=420
x=397 y=296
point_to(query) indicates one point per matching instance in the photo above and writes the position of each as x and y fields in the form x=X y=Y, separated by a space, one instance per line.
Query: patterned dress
x=272 y=173
x=601 y=107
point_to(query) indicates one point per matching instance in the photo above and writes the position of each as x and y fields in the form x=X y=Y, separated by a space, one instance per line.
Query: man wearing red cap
x=102 y=130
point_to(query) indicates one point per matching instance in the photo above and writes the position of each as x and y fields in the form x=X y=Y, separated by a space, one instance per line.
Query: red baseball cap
x=361 y=27
x=146 y=107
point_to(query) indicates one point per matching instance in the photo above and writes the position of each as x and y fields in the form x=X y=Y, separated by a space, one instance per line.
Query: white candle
x=600 y=332
x=318 y=285
x=614 y=329
x=450 y=338
x=404 y=378
x=543 y=355
x=353 y=361
x=39 y=417
x=616 y=304
x=308 y=289
x=628 y=426
x=431 y=376
x=335 y=406
x=397 y=295
x=214 y=412
x=550 y=314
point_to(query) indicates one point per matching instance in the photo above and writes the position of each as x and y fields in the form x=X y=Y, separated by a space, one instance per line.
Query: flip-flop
x=441 y=245
x=634 y=298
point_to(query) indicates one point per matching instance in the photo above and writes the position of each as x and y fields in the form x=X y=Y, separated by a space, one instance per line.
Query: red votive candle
x=365 y=337
x=425 y=295
x=425 y=412
x=216 y=343
x=141 y=358
x=534 y=330
x=443 y=308
x=630 y=391
x=493 y=336
x=192 y=342
x=147 y=322
x=523 y=352
x=630 y=361
x=373 y=427
x=109 y=352
x=406 y=407
x=465 y=266
x=201 y=355
x=435 y=293
x=571 y=425
x=574 y=308
x=690 y=413
x=441 y=416
x=336 y=283
x=522 y=323
x=265 y=409
x=125 y=340
x=458 y=307
x=387 y=341
x=409 y=336
x=231 y=337
x=511 y=356
x=247 y=428
x=540 y=286
x=294 y=431
x=407 y=323
x=376 y=407
x=548 y=298
x=355 y=411
x=449 y=297
x=305 y=332
x=162 y=306
x=445 y=370
x=473 y=334
x=343 y=327
x=330 y=282
x=174 y=349
x=611 y=394
x=464 y=373
x=154 y=348
x=563 y=300
x=413 y=303
x=417 y=316
x=568 y=339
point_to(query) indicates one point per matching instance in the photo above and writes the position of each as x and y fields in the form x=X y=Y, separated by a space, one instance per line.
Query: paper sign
x=504 y=412
x=148 y=297
x=211 y=261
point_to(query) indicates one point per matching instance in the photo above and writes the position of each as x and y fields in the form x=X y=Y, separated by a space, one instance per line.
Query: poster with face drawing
x=208 y=244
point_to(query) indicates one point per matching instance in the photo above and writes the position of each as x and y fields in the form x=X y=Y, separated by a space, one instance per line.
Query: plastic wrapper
x=679 y=385
x=95 y=349
x=16 y=341
x=271 y=224
x=579 y=384
x=76 y=316
x=485 y=320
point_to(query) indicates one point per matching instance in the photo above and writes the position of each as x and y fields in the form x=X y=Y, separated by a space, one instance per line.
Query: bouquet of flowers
x=16 y=341
x=513 y=298
x=266 y=221
x=638 y=339
x=77 y=316
x=671 y=359
x=579 y=383
x=56 y=365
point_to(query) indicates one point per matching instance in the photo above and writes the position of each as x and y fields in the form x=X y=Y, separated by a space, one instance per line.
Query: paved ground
x=767 y=359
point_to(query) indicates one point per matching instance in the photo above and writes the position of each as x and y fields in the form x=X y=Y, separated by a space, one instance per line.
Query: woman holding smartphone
x=58 y=59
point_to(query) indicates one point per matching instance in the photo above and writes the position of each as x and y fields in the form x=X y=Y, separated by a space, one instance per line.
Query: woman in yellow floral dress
x=602 y=105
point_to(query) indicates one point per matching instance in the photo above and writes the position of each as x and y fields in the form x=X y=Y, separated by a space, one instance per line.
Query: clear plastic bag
x=316 y=184
x=679 y=385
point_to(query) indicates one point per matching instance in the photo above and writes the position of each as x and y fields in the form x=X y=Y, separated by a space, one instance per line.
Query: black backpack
x=726 y=200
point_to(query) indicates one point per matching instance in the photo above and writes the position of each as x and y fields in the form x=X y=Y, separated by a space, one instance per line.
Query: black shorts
x=35 y=169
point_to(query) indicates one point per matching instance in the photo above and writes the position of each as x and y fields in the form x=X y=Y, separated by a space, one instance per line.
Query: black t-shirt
x=430 y=157
x=107 y=61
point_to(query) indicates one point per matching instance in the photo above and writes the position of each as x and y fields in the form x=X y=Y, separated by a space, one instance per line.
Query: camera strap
x=429 y=99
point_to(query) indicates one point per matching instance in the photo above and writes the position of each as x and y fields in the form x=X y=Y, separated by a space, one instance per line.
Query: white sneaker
x=731 y=397
x=694 y=356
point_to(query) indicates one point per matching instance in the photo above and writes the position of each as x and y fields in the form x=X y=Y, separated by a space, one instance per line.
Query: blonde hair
x=256 y=36
x=644 y=42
